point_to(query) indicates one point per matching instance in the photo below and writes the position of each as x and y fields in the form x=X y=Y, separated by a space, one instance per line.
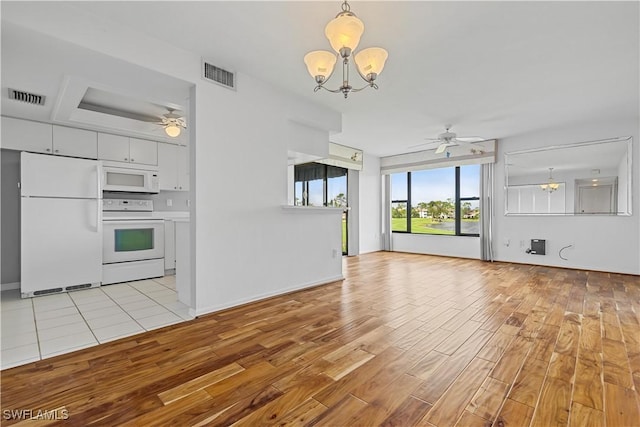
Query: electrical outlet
x=335 y=253
x=507 y=242
x=169 y=202
x=522 y=243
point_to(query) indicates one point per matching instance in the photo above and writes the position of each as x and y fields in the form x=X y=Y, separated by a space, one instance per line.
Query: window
x=399 y=202
x=317 y=184
x=437 y=201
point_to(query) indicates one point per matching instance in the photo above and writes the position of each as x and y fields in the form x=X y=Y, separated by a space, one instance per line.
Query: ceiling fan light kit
x=344 y=33
x=173 y=124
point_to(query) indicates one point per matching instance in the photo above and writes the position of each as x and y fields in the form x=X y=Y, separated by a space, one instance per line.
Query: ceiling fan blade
x=425 y=144
x=469 y=138
x=441 y=148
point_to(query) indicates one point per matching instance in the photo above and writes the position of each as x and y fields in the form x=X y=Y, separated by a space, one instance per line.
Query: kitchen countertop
x=171 y=215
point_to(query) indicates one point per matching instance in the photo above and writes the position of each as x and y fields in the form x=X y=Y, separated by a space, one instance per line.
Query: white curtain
x=486 y=212
x=386 y=214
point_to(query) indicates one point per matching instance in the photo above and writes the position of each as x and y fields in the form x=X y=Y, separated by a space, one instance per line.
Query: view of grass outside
x=344 y=233
x=433 y=204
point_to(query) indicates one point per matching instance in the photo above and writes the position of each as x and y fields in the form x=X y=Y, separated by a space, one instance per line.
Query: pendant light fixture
x=551 y=185
x=343 y=33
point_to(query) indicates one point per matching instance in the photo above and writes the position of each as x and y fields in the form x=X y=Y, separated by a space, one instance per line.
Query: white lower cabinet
x=169 y=244
x=183 y=263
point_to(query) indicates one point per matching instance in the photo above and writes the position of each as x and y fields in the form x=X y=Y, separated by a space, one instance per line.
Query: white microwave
x=130 y=180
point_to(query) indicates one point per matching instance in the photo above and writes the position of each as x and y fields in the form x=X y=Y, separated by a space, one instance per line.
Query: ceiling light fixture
x=344 y=33
x=173 y=124
x=551 y=185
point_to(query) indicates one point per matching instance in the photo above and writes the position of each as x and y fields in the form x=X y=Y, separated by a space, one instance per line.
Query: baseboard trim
x=213 y=309
x=9 y=286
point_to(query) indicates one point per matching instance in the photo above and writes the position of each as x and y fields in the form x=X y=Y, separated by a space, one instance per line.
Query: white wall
x=605 y=243
x=246 y=246
x=370 y=189
x=456 y=246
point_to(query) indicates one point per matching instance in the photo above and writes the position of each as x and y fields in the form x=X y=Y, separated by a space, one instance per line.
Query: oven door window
x=133 y=239
x=125 y=179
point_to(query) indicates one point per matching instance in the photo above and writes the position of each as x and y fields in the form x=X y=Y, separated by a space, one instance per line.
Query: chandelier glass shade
x=344 y=33
x=550 y=186
x=320 y=63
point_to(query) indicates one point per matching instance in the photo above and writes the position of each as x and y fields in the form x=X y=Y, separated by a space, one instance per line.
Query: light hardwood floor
x=404 y=340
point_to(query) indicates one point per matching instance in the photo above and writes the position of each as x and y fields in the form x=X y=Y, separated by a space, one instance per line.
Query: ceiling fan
x=173 y=123
x=448 y=139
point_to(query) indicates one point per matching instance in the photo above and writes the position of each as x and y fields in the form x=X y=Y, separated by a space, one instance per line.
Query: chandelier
x=344 y=33
x=551 y=185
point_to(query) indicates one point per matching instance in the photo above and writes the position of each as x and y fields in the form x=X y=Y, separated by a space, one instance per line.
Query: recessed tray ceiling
x=115 y=104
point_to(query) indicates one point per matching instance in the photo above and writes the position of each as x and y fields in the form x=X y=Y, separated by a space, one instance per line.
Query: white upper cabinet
x=124 y=149
x=25 y=135
x=143 y=151
x=167 y=166
x=36 y=137
x=183 y=168
x=75 y=142
x=113 y=147
x=173 y=167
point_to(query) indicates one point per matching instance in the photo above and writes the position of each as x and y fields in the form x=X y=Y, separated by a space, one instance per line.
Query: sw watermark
x=36 y=414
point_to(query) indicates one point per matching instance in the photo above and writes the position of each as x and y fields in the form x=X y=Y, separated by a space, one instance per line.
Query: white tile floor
x=41 y=327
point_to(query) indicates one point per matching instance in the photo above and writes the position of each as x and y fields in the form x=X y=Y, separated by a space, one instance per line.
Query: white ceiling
x=492 y=69
x=66 y=74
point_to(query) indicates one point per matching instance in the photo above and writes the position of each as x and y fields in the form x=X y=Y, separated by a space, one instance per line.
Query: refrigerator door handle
x=99 y=199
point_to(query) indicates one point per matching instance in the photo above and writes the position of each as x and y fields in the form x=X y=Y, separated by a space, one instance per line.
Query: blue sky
x=436 y=184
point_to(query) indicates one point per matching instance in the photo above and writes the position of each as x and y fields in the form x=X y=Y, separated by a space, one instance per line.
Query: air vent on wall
x=29 y=98
x=218 y=75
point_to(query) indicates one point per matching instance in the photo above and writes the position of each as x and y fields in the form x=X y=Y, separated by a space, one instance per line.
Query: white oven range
x=133 y=241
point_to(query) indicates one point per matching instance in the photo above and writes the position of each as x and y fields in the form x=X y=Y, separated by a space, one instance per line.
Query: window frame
x=457 y=205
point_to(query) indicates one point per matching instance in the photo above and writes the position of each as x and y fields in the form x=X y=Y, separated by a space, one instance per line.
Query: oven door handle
x=120 y=222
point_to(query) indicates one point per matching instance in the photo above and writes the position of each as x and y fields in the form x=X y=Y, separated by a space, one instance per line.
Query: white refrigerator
x=61 y=224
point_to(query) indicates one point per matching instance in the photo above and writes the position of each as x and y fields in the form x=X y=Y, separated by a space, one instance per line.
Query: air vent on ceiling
x=29 y=98
x=218 y=75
